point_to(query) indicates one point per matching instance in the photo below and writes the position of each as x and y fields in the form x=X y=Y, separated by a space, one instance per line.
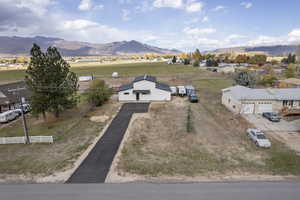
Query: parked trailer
x=174 y=91
x=8 y=116
x=181 y=91
x=190 y=90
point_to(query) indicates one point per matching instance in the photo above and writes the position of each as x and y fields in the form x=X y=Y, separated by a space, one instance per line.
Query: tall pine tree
x=52 y=84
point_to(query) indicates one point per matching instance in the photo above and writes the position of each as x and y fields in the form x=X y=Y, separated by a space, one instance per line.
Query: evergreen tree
x=174 y=59
x=247 y=79
x=52 y=84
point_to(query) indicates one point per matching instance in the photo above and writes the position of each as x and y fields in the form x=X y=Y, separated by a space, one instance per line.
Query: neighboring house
x=145 y=88
x=11 y=94
x=240 y=99
x=289 y=83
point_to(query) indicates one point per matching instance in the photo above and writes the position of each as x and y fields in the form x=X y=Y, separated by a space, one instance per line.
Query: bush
x=186 y=61
x=196 y=63
x=98 y=93
x=268 y=80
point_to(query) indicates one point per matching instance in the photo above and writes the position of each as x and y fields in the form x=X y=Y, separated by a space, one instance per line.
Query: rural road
x=196 y=191
x=96 y=165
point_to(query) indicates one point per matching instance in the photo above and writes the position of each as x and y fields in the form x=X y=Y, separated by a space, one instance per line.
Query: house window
x=284 y=103
x=126 y=93
x=291 y=103
x=229 y=100
x=233 y=107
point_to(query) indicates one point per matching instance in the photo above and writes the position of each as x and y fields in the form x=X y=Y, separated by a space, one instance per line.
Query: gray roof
x=244 y=93
x=145 y=77
x=126 y=87
x=163 y=86
x=12 y=92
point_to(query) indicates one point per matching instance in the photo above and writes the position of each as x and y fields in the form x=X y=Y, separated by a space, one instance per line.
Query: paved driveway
x=266 y=125
x=95 y=167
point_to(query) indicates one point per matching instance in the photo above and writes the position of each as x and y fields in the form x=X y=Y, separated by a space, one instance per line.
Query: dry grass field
x=160 y=145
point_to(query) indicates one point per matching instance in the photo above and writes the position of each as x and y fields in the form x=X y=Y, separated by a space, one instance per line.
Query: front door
x=137 y=96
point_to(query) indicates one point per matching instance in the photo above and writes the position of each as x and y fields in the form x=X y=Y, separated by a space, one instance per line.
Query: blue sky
x=181 y=24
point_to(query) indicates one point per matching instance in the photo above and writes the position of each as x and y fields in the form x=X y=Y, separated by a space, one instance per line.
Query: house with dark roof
x=145 y=88
x=240 y=99
x=11 y=94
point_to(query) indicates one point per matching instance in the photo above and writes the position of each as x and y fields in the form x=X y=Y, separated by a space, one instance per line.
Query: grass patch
x=131 y=69
x=284 y=163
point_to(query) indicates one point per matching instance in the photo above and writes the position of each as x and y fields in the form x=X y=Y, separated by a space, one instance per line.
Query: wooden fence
x=22 y=140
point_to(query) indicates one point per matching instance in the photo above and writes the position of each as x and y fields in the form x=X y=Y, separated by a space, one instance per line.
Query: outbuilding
x=240 y=99
x=145 y=88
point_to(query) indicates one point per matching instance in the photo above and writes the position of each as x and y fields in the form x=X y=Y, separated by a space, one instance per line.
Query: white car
x=258 y=138
x=181 y=91
x=8 y=116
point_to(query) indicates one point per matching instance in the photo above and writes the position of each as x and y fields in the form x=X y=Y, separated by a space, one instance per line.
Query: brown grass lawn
x=217 y=145
x=73 y=133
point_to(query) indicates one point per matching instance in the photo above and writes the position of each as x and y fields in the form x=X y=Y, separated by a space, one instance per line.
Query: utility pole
x=24 y=123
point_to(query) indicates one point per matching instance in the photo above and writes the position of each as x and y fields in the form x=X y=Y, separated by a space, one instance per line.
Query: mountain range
x=16 y=46
x=276 y=50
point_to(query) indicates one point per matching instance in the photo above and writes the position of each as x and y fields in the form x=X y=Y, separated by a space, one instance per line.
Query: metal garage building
x=145 y=88
x=240 y=99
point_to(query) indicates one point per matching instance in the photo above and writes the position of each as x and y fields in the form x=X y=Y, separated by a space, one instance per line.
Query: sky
x=173 y=24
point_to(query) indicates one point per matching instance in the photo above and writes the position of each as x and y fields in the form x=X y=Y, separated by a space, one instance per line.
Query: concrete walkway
x=95 y=167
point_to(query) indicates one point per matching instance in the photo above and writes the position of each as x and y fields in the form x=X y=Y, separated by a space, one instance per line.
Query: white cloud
x=187 y=5
x=168 y=3
x=193 y=6
x=247 y=4
x=198 y=31
x=125 y=15
x=205 y=19
x=219 y=7
x=39 y=7
x=86 y=5
x=196 y=20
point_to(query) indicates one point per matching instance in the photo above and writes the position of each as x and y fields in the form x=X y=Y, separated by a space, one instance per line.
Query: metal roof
x=244 y=93
x=163 y=86
x=12 y=92
x=126 y=87
x=145 y=77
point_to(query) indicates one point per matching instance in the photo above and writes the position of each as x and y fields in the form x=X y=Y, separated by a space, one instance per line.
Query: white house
x=240 y=99
x=145 y=88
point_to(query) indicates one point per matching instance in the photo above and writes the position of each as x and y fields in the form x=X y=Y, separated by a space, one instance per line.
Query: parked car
x=258 y=138
x=181 y=91
x=273 y=117
x=8 y=116
x=193 y=98
x=173 y=90
x=190 y=90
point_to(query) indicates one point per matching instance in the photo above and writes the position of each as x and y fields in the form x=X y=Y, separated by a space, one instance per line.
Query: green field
x=131 y=69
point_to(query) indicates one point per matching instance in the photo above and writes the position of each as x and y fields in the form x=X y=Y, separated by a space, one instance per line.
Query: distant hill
x=277 y=50
x=14 y=46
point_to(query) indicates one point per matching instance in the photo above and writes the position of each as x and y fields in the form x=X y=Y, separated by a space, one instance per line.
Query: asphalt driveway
x=95 y=167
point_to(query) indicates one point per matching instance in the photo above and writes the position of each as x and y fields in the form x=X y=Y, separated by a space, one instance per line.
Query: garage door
x=247 y=108
x=265 y=107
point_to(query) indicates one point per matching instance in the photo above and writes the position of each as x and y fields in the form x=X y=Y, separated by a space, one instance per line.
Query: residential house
x=240 y=99
x=145 y=88
x=11 y=94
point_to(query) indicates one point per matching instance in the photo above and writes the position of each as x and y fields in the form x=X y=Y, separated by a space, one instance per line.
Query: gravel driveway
x=266 y=125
